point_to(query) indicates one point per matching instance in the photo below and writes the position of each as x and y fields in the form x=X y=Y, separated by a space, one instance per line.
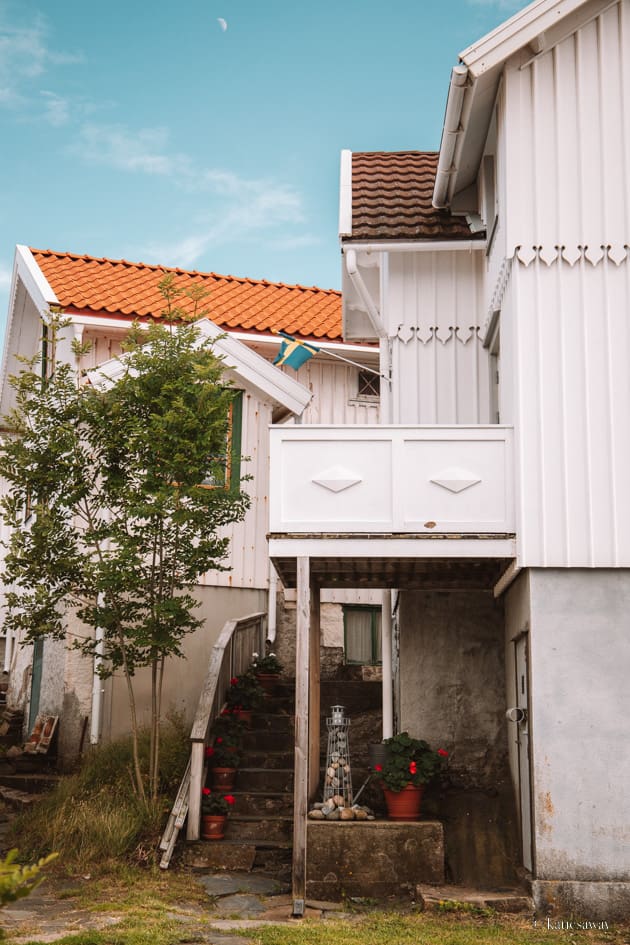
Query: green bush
x=17 y=881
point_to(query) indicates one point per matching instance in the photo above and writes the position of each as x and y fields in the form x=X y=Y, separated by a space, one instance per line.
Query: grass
x=375 y=929
x=156 y=908
x=93 y=819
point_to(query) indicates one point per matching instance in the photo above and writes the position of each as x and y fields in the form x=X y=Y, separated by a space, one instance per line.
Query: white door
x=522 y=741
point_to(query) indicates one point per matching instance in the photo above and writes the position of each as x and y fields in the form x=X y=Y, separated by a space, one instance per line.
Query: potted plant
x=229 y=728
x=267 y=670
x=214 y=810
x=224 y=760
x=409 y=765
x=244 y=695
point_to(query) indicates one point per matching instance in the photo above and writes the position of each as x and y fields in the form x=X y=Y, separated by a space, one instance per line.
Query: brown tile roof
x=121 y=289
x=391 y=198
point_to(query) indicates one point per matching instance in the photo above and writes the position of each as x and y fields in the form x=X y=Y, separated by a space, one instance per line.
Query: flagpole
x=332 y=354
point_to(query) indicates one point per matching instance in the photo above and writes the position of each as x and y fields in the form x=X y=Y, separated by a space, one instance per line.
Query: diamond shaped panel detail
x=455 y=480
x=336 y=479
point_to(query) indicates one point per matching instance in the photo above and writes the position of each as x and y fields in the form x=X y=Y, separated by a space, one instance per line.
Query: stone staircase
x=259 y=830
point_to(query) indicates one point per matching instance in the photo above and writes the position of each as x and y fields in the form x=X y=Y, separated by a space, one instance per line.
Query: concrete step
x=248 y=829
x=274 y=858
x=219 y=855
x=263 y=740
x=269 y=759
x=262 y=780
x=17 y=799
x=513 y=901
x=263 y=804
x=273 y=722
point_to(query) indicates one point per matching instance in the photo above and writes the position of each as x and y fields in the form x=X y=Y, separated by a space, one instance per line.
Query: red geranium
x=442 y=753
x=234 y=681
x=206 y=791
x=378 y=767
x=413 y=767
x=209 y=751
x=218 y=741
x=229 y=799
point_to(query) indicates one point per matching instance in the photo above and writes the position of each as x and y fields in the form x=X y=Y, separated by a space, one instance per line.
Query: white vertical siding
x=434 y=311
x=567 y=145
x=334 y=387
x=572 y=413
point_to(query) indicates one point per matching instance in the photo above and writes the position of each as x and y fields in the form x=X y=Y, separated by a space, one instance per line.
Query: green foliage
x=266 y=664
x=121 y=524
x=18 y=881
x=409 y=761
x=213 y=802
x=245 y=692
x=94 y=815
x=229 y=728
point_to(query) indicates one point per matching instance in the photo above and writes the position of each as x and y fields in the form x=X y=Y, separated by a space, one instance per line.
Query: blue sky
x=146 y=131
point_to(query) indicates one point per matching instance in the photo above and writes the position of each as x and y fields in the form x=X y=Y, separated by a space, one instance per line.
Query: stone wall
x=452 y=682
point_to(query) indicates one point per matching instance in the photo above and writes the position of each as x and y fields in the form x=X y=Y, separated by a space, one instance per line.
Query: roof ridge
x=187 y=272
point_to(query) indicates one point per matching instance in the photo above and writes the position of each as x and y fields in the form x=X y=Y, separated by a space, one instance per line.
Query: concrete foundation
x=587 y=902
x=372 y=858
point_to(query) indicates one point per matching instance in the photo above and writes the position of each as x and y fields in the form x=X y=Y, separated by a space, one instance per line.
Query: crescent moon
x=222 y=23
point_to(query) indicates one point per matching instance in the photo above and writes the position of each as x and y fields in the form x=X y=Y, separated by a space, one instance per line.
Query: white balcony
x=393 y=481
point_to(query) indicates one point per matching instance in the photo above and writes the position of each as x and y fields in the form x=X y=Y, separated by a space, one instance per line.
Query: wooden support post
x=300 y=787
x=194 y=796
x=314 y=697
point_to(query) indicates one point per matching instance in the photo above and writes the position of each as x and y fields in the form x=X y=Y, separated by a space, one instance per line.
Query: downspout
x=97 y=687
x=272 y=610
x=450 y=131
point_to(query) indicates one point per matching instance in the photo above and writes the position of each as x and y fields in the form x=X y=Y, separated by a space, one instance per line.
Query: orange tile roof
x=391 y=198
x=117 y=288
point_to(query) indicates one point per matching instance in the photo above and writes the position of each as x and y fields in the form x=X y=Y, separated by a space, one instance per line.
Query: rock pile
x=335 y=808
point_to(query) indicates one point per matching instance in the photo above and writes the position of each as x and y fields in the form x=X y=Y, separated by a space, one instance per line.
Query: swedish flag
x=294 y=353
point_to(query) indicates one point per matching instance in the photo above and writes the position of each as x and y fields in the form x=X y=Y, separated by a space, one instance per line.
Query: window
x=368 y=385
x=362 y=634
x=225 y=470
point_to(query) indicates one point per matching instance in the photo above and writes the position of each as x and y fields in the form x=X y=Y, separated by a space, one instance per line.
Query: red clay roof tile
x=124 y=289
x=391 y=198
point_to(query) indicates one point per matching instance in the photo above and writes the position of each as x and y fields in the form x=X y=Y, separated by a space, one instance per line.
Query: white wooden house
x=491 y=499
x=101 y=297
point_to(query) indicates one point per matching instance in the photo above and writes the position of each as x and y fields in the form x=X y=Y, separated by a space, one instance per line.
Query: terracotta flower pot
x=223 y=778
x=405 y=804
x=244 y=716
x=213 y=826
x=268 y=682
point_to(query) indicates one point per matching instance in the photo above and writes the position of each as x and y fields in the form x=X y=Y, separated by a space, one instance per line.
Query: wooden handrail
x=231 y=655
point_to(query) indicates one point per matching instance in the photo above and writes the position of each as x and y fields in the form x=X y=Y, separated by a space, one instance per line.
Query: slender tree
x=126 y=492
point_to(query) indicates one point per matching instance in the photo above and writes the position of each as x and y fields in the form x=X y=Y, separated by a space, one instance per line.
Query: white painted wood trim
x=300 y=785
x=389 y=547
x=420 y=246
x=345 y=194
x=34 y=279
x=523 y=28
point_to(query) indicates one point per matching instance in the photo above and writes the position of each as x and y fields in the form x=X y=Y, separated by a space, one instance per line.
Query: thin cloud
x=26 y=54
x=118 y=147
x=56 y=109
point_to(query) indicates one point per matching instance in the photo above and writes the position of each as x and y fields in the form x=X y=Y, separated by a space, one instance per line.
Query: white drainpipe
x=97 y=688
x=362 y=291
x=271 y=606
x=450 y=131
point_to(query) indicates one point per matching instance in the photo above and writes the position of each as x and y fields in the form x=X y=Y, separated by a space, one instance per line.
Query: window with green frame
x=362 y=634
x=225 y=470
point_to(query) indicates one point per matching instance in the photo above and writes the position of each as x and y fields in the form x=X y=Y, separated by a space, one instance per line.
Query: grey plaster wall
x=580 y=706
x=452 y=684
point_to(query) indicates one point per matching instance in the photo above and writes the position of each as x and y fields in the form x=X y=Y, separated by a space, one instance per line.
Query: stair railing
x=231 y=655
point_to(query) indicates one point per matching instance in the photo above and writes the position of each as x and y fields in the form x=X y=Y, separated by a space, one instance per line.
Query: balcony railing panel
x=391 y=479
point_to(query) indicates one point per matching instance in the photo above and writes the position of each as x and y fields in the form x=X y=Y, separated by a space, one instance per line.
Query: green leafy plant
x=409 y=761
x=220 y=755
x=245 y=692
x=18 y=881
x=122 y=522
x=269 y=664
x=229 y=728
x=214 y=803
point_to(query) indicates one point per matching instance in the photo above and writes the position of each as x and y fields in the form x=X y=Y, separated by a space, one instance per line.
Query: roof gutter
x=451 y=130
x=362 y=291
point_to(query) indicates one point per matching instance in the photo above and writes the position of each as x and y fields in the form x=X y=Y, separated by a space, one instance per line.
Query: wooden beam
x=196 y=784
x=300 y=787
x=314 y=697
